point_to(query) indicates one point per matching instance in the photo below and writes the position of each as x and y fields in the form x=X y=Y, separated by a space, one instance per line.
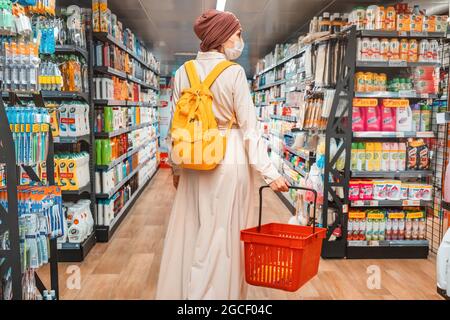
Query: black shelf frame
x=339 y=127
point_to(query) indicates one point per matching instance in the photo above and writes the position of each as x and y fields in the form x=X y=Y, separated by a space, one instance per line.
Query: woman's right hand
x=280 y=185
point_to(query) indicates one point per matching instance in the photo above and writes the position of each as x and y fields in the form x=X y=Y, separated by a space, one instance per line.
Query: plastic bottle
x=413 y=54
x=391 y=16
x=416 y=114
x=355 y=151
x=358 y=120
x=425 y=117
x=393 y=156
x=385 y=156
x=370 y=149
x=402 y=156
x=404 y=50
x=404 y=120
x=378 y=150
x=361 y=160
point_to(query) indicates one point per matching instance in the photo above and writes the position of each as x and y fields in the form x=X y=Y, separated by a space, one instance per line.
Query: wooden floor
x=127 y=267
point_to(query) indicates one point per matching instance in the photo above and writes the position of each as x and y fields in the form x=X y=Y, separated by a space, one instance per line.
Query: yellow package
x=403 y=22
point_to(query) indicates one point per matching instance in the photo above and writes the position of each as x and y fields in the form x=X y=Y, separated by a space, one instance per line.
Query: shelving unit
x=104 y=233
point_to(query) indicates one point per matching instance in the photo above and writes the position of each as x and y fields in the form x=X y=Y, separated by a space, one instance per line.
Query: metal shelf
x=389 y=203
x=111 y=72
x=71 y=140
x=400 y=34
x=105 y=37
x=283 y=61
x=72 y=49
x=398 y=174
x=141 y=83
x=395 y=95
x=388 y=250
x=267 y=86
x=115 y=103
x=303 y=173
x=85 y=189
x=76 y=252
x=284 y=118
x=125 y=156
x=384 y=134
x=104 y=233
x=393 y=64
x=302 y=153
x=122 y=183
x=105 y=135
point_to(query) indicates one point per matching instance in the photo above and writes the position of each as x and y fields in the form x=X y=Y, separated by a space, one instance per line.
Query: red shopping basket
x=282 y=256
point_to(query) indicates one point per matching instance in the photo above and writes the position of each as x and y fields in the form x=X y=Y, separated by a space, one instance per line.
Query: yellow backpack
x=197 y=143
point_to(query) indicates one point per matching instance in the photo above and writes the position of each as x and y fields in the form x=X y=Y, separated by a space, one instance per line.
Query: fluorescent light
x=220 y=6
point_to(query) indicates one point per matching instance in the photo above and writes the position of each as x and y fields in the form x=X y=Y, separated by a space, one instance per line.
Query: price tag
x=365 y=102
x=406 y=93
x=398 y=63
x=414 y=215
x=357 y=215
x=424 y=95
x=397 y=215
x=375 y=216
x=400 y=134
x=424 y=134
x=402 y=34
x=374 y=243
x=373 y=203
x=419 y=34
x=358 y=203
x=396 y=103
x=411 y=203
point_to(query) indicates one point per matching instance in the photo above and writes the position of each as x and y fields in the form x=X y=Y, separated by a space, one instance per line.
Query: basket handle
x=291 y=187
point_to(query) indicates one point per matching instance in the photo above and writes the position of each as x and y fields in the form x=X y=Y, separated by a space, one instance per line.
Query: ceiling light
x=185 y=54
x=220 y=6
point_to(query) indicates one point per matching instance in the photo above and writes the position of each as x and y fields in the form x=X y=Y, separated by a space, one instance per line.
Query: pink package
x=388 y=120
x=358 y=119
x=354 y=191
x=372 y=119
x=366 y=190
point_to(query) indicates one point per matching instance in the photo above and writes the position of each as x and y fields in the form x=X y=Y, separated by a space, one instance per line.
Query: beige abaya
x=203 y=256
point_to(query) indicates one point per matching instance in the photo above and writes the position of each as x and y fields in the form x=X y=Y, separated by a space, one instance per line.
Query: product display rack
x=11 y=258
x=407 y=248
x=104 y=233
x=70 y=252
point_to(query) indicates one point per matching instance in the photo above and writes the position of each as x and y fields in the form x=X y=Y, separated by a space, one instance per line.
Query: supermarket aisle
x=128 y=266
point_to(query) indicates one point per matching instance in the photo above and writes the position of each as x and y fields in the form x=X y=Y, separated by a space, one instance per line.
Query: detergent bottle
x=373 y=120
x=388 y=122
x=358 y=120
x=404 y=120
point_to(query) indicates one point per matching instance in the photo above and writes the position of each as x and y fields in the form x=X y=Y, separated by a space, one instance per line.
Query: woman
x=203 y=256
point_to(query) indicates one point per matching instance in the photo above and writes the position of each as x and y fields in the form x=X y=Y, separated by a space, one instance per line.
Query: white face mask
x=235 y=53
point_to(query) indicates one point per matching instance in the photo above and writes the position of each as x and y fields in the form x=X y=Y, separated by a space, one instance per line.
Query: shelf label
x=402 y=34
x=398 y=63
x=411 y=203
x=357 y=215
x=358 y=203
x=406 y=93
x=424 y=95
x=375 y=216
x=419 y=34
x=414 y=215
x=424 y=134
x=365 y=102
x=374 y=243
x=396 y=103
x=396 y=215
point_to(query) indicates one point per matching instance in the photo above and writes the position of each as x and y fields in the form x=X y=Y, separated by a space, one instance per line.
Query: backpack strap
x=192 y=73
x=215 y=73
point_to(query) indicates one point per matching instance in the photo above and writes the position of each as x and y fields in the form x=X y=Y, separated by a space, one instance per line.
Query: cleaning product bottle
x=416 y=117
x=378 y=147
x=370 y=149
x=385 y=156
x=393 y=157
x=388 y=116
x=355 y=155
x=402 y=156
x=373 y=121
x=425 y=123
x=404 y=120
x=361 y=160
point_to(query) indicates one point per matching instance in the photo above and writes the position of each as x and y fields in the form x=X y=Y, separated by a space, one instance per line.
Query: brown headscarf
x=214 y=28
